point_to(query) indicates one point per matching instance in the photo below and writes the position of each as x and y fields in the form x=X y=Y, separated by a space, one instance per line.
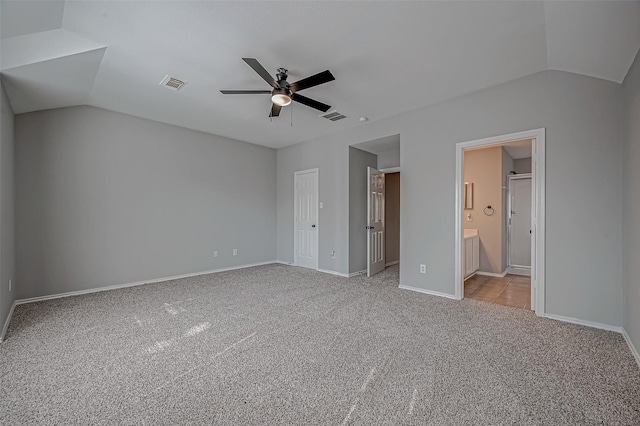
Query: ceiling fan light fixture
x=284 y=93
x=280 y=97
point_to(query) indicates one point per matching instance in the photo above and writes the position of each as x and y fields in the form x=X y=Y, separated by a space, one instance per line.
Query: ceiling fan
x=284 y=92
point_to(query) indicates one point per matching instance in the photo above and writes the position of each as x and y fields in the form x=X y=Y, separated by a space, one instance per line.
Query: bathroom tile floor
x=512 y=290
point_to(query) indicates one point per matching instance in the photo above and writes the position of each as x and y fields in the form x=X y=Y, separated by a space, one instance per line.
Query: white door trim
x=538 y=172
x=295 y=197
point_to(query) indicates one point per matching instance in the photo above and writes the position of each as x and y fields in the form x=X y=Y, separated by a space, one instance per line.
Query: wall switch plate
x=235 y=252
x=215 y=253
x=333 y=254
x=423 y=269
x=469 y=217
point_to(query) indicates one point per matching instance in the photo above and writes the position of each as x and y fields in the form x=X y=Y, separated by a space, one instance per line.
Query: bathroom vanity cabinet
x=471 y=259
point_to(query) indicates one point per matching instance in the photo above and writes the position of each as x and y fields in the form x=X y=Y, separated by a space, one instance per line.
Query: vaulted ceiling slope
x=387 y=57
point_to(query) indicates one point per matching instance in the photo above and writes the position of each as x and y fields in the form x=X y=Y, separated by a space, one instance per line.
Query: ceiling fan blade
x=245 y=92
x=253 y=63
x=275 y=110
x=314 y=80
x=310 y=102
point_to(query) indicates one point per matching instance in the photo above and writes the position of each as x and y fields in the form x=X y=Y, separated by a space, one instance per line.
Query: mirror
x=468 y=195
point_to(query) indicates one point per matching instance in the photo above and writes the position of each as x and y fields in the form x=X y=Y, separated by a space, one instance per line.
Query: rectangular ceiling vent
x=333 y=116
x=172 y=83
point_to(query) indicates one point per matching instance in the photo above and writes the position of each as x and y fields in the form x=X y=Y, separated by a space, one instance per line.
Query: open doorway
x=497 y=220
x=500 y=220
x=374 y=206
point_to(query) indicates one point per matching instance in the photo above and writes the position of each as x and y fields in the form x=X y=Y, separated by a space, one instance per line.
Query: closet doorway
x=367 y=214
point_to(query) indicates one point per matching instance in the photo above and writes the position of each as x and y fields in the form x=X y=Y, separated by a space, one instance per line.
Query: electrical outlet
x=9 y=285
x=333 y=254
x=321 y=204
x=235 y=252
x=423 y=269
x=215 y=253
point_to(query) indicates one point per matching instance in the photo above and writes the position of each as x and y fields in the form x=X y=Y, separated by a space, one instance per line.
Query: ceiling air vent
x=333 y=116
x=172 y=83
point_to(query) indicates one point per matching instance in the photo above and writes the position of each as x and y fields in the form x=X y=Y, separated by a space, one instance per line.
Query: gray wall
x=358 y=162
x=631 y=203
x=333 y=228
x=507 y=166
x=522 y=165
x=389 y=159
x=6 y=208
x=105 y=198
x=392 y=217
x=583 y=143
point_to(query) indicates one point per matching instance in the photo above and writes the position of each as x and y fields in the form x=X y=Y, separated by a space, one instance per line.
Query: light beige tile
x=468 y=292
x=487 y=292
x=515 y=284
x=516 y=301
x=483 y=298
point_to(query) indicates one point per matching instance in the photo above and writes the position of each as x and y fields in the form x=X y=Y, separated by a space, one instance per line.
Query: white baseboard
x=519 y=271
x=6 y=323
x=585 y=323
x=137 y=283
x=341 y=274
x=634 y=351
x=492 y=274
x=327 y=271
x=431 y=292
x=392 y=263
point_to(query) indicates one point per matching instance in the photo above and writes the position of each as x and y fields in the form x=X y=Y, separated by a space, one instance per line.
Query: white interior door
x=520 y=222
x=306 y=219
x=375 y=221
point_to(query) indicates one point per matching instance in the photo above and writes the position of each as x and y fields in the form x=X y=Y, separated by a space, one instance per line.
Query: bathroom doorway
x=500 y=220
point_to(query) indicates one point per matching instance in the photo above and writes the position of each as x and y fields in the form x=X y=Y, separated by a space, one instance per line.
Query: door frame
x=510 y=179
x=538 y=178
x=295 y=197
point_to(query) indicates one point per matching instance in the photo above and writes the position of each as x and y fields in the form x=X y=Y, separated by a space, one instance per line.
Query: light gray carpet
x=284 y=345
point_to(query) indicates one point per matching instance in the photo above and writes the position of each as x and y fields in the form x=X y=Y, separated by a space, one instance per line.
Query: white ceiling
x=387 y=57
x=518 y=149
x=380 y=146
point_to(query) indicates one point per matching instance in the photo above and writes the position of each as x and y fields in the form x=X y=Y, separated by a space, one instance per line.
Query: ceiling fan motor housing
x=282 y=80
x=284 y=93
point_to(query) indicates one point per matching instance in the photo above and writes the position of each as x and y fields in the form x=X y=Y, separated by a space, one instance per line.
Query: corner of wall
x=7 y=242
x=630 y=198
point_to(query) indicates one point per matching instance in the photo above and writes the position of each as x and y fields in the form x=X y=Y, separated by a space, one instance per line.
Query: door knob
x=313 y=226
x=368 y=227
